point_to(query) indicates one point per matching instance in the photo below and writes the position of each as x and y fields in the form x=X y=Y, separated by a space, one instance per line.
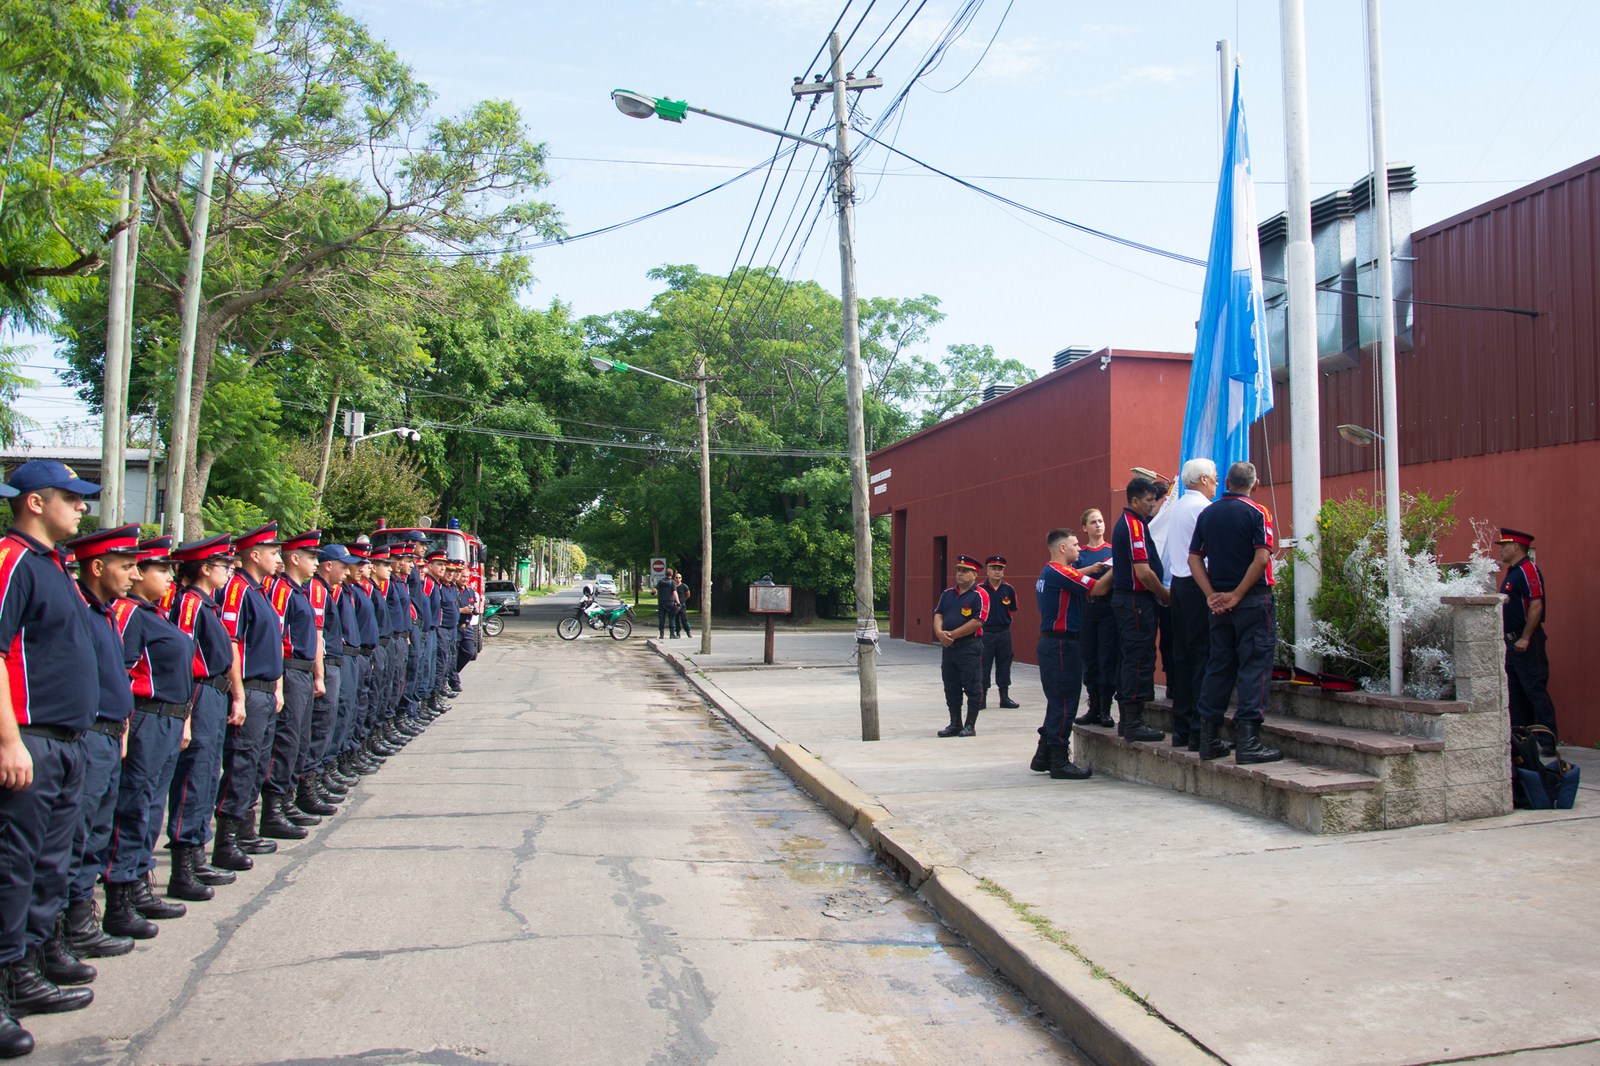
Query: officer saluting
x=997 y=656
x=258 y=652
x=958 y=625
x=1523 y=614
x=47 y=700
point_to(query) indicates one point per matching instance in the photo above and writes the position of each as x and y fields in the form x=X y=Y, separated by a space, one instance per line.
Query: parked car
x=605 y=583
x=505 y=594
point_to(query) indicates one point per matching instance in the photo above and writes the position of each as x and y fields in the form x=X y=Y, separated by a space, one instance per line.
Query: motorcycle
x=590 y=613
x=492 y=622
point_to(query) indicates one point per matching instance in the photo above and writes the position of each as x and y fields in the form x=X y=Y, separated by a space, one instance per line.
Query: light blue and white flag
x=1230 y=383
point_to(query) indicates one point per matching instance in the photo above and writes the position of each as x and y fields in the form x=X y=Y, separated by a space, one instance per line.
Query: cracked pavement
x=578 y=864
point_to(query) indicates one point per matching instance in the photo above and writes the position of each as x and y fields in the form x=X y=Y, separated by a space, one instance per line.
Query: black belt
x=257 y=685
x=303 y=665
x=166 y=710
x=114 y=730
x=364 y=650
x=352 y=649
x=1061 y=636
x=385 y=641
x=221 y=682
x=52 y=732
x=996 y=629
x=963 y=640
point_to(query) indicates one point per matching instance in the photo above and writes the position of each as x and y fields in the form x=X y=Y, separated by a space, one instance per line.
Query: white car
x=605 y=583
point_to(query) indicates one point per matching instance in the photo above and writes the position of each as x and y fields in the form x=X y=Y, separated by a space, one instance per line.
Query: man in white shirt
x=1191 y=618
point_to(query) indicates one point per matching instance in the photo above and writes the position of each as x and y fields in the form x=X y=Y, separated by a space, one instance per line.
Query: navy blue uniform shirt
x=45 y=634
x=367 y=606
x=199 y=616
x=1522 y=585
x=421 y=602
x=1131 y=543
x=1002 y=603
x=1227 y=534
x=349 y=624
x=435 y=600
x=293 y=604
x=449 y=606
x=959 y=608
x=254 y=626
x=115 y=695
x=400 y=617
x=325 y=605
x=160 y=656
x=1061 y=592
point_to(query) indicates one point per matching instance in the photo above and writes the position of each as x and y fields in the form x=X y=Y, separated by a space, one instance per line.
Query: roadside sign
x=658 y=569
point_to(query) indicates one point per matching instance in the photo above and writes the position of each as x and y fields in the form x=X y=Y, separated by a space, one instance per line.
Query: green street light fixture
x=637 y=105
x=617 y=366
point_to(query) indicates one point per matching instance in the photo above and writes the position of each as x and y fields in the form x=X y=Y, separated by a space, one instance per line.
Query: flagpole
x=1391 y=415
x=1305 y=433
x=1225 y=78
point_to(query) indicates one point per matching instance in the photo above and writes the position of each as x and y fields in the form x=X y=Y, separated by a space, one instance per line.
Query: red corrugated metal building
x=1501 y=407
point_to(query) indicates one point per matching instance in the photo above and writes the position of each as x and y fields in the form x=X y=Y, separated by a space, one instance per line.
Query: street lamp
x=637 y=105
x=703 y=416
x=1360 y=436
x=404 y=431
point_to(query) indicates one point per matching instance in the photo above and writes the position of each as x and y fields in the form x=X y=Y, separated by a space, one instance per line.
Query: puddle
x=827 y=873
x=899 y=951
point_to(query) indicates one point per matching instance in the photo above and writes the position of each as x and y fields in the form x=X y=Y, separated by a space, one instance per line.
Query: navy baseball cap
x=335 y=553
x=36 y=474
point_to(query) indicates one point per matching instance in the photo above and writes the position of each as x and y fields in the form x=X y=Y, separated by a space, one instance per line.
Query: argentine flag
x=1230 y=383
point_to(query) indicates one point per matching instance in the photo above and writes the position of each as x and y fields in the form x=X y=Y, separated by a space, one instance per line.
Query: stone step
x=1367 y=751
x=1308 y=796
x=1363 y=710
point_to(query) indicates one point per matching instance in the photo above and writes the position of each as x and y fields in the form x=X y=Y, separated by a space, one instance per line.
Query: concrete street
x=580 y=863
x=1265 y=945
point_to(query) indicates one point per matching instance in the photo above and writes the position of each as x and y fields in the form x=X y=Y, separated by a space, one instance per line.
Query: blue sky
x=1104 y=115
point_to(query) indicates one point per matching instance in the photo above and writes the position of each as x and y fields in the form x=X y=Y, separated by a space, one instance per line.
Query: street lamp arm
x=405 y=431
x=638 y=105
x=601 y=363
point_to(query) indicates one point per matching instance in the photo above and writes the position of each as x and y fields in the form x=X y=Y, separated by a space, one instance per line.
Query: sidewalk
x=1250 y=942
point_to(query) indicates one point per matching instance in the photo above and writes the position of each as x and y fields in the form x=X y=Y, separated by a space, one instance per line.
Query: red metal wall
x=996 y=479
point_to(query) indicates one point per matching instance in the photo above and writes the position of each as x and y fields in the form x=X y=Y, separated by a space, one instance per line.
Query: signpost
x=658 y=569
x=771 y=600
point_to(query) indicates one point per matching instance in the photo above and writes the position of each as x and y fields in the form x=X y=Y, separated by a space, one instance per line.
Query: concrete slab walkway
x=1262 y=945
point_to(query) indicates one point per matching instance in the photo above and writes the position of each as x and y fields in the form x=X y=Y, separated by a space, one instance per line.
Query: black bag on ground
x=1536 y=784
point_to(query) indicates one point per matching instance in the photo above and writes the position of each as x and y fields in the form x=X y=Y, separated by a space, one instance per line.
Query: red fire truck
x=456 y=543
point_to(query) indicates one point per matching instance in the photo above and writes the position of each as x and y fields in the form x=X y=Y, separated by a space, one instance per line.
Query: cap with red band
x=995 y=560
x=123 y=540
x=210 y=548
x=1515 y=536
x=155 y=550
x=968 y=561
x=261 y=537
x=303 y=542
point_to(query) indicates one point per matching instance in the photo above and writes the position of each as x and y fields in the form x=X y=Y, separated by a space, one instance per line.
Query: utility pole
x=112 y=400
x=705 y=501
x=844 y=194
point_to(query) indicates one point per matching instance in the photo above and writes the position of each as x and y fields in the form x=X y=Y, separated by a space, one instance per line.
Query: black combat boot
x=1006 y=701
x=15 y=1041
x=1091 y=716
x=59 y=963
x=330 y=788
x=122 y=917
x=275 y=824
x=225 y=851
x=1250 y=748
x=1205 y=740
x=30 y=992
x=1106 y=702
x=182 y=883
x=250 y=841
x=954 y=728
x=1041 y=755
x=207 y=874
x=307 y=800
x=970 y=729
x=88 y=940
x=148 y=904
x=1132 y=725
x=1062 y=768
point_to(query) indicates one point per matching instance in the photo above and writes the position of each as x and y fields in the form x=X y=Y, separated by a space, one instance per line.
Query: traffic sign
x=658 y=569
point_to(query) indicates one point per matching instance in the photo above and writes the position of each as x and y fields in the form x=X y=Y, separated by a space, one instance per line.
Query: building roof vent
x=1068 y=356
x=996 y=388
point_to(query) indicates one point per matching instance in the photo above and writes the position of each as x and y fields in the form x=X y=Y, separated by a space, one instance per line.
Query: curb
x=1107 y=1026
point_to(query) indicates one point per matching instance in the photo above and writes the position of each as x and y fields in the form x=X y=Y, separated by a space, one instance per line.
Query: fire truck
x=456 y=543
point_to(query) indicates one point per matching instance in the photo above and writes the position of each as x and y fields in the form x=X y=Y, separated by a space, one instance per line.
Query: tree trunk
x=327 y=441
x=112 y=400
x=195 y=476
x=135 y=216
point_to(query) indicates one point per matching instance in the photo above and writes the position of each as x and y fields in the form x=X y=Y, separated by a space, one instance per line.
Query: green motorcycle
x=618 y=620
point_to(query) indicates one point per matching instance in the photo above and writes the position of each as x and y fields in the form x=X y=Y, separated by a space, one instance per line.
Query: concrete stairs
x=1353 y=761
